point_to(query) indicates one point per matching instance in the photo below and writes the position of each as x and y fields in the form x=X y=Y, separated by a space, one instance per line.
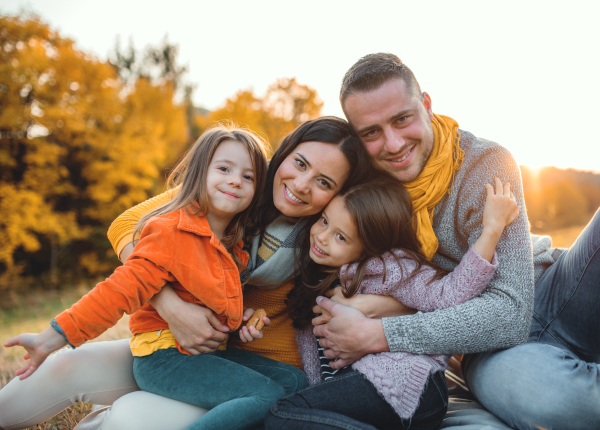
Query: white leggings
x=99 y=373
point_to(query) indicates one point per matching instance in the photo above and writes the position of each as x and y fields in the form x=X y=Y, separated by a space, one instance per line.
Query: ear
x=427 y=104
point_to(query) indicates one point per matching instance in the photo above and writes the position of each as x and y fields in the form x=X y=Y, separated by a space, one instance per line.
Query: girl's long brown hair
x=187 y=181
x=382 y=211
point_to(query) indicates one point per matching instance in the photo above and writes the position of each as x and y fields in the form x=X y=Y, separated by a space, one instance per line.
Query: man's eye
x=402 y=118
x=371 y=133
x=340 y=237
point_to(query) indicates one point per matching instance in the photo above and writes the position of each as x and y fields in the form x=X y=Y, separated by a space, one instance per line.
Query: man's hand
x=249 y=334
x=349 y=335
x=39 y=346
x=196 y=328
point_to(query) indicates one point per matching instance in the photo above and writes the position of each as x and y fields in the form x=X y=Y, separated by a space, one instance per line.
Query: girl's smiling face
x=308 y=178
x=230 y=180
x=334 y=239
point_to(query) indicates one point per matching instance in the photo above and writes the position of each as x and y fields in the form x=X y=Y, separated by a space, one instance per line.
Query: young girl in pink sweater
x=365 y=241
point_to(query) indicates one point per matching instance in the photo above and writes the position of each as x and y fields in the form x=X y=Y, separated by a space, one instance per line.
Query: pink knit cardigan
x=400 y=377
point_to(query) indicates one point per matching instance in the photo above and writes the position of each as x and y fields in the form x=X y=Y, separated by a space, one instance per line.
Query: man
x=553 y=381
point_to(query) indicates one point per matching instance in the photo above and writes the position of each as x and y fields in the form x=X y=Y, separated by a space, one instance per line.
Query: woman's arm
x=120 y=232
x=196 y=328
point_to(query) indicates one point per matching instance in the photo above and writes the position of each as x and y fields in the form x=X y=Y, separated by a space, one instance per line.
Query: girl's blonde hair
x=187 y=181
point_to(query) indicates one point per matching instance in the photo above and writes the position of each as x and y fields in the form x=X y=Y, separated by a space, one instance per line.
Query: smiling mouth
x=230 y=194
x=398 y=160
x=292 y=197
x=319 y=250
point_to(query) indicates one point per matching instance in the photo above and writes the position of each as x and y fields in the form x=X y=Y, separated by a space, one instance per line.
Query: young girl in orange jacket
x=193 y=242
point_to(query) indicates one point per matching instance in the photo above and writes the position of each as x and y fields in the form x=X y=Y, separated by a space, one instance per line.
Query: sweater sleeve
x=120 y=232
x=501 y=316
x=467 y=281
x=130 y=287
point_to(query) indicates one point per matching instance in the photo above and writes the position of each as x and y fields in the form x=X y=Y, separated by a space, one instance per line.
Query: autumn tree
x=285 y=105
x=78 y=145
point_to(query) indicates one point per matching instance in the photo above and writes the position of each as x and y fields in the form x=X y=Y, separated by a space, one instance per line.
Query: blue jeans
x=553 y=380
x=349 y=401
x=237 y=386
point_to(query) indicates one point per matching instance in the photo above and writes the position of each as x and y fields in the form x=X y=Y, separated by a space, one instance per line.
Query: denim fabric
x=349 y=401
x=553 y=380
x=238 y=386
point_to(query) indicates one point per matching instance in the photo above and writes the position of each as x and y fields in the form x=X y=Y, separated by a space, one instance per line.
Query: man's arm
x=499 y=318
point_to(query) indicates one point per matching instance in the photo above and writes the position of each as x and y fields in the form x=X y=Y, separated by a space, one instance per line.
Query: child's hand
x=38 y=346
x=500 y=208
x=249 y=334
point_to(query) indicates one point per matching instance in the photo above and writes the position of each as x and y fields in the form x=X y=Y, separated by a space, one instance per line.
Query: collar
x=193 y=222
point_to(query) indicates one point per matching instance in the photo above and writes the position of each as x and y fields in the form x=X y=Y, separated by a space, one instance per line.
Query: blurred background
x=99 y=99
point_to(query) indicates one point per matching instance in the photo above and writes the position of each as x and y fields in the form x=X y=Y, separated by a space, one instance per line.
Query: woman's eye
x=340 y=237
x=300 y=163
x=324 y=183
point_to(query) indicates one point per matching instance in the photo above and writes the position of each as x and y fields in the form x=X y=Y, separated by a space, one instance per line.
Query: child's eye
x=340 y=237
x=223 y=169
x=249 y=178
x=323 y=220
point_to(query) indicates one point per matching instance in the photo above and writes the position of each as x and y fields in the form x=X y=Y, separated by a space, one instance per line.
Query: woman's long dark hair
x=382 y=211
x=327 y=129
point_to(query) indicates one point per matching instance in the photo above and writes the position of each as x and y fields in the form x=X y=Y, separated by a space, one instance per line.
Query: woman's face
x=309 y=178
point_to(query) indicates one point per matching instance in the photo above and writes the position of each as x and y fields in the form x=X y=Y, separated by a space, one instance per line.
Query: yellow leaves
x=77 y=144
x=285 y=105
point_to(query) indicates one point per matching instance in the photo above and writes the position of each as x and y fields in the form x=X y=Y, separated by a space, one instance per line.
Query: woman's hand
x=196 y=328
x=39 y=346
x=371 y=305
x=249 y=334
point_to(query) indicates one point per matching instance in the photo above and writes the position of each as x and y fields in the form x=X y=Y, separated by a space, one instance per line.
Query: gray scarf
x=271 y=260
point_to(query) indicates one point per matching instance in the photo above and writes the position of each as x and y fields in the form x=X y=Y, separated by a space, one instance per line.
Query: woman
x=315 y=162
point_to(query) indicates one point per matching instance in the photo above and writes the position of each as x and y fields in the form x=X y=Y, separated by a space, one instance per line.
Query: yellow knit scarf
x=435 y=180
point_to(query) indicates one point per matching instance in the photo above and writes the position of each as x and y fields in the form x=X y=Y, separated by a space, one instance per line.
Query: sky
x=521 y=73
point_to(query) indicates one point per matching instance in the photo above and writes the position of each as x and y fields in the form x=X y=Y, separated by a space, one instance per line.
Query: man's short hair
x=374 y=70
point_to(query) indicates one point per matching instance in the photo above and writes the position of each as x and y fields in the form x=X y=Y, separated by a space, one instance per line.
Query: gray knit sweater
x=501 y=316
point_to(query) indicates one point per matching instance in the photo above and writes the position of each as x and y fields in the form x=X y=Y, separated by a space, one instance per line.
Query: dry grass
x=32 y=314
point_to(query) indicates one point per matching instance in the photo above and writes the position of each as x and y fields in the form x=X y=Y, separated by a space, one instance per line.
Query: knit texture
x=501 y=317
x=400 y=377
x=279 y=339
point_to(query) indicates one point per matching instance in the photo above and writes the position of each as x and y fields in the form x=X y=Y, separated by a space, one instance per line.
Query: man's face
x=395 y=127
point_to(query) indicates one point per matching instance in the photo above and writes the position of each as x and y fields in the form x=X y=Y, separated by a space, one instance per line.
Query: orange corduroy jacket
x=178 y=248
